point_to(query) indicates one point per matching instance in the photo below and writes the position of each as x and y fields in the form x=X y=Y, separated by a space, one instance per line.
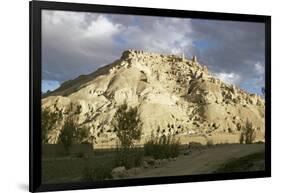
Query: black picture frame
x=35 y=94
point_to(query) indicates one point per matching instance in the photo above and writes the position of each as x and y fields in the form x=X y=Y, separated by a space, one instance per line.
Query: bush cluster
x=162 y=147
x=127 y=126
x=71 y=133
x=128 y=157
x=49 y=120
x=248 y=134
x=97 y=172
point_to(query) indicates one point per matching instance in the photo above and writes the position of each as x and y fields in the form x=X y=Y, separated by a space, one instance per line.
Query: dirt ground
x=202 y=161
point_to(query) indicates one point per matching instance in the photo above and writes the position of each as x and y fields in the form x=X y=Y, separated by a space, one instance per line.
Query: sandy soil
x=202 y=162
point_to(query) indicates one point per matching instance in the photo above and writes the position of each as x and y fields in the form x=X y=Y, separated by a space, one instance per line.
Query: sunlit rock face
x=174 y=95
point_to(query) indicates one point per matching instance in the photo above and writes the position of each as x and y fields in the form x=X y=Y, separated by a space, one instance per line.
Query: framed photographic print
x=126 y=96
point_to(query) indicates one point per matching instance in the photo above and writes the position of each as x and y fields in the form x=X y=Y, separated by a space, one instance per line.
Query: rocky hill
x=173 y=95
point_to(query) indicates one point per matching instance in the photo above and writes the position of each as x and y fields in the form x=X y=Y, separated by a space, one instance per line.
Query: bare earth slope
x=174 y=95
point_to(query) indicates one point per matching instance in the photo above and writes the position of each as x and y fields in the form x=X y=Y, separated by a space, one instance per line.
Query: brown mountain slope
x=174 y=95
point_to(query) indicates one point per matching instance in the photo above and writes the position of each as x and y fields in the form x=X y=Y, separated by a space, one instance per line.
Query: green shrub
x=162 y=147
x=48 y=121
x=127 y=125
x=71 y=133
x=248 y=134
x=97 y=172
x=67 y=135
x=128 y=157
x=81 y=135
x=241 y=138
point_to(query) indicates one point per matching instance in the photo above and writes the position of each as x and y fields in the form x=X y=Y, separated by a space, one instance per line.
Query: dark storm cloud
x=76 y=43
x=235 y=47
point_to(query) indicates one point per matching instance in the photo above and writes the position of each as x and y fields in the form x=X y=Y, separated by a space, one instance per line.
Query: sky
x=75 y=43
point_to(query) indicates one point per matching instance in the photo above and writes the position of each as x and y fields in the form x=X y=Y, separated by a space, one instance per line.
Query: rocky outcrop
x=174 y=95
x=119 y=172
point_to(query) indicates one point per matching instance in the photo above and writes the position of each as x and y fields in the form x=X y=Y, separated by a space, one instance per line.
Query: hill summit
x=173 y=95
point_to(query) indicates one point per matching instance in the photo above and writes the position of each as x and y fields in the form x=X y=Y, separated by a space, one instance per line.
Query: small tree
x=67 y=135
x=241 y=139
x=248 y=134
x=82 y=135
x=48 y=121
x=127 y=125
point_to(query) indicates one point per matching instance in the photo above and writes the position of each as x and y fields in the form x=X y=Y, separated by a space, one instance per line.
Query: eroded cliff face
x=173 y=95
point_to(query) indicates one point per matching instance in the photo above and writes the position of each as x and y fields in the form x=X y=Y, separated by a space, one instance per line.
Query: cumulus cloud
x=160 y=35
x=230 y=78
x=259 y=68
x=75 y=43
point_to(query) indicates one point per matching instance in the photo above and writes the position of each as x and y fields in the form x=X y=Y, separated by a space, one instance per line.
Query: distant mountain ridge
x=174 y=95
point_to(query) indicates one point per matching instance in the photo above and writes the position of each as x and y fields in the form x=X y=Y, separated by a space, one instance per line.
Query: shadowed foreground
x=212 y=159
x=204 y=161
